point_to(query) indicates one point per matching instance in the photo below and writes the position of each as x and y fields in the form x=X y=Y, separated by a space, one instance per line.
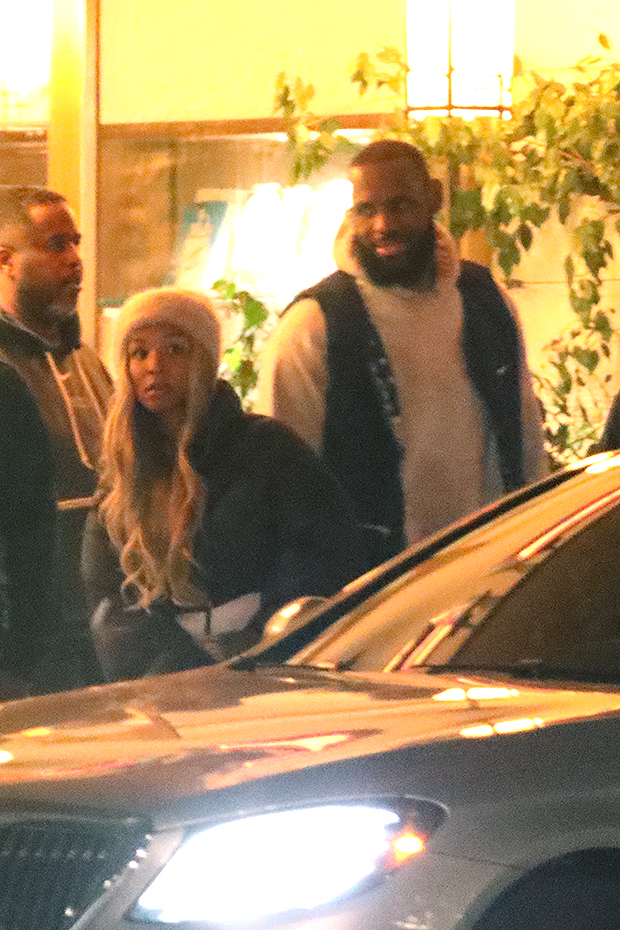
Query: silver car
x=434 y=748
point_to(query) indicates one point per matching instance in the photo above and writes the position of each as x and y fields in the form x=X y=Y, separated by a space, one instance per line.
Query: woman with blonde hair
x=209 y=519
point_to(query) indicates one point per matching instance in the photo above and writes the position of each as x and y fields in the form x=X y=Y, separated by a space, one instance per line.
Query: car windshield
x=481 y=605
x=563 y=620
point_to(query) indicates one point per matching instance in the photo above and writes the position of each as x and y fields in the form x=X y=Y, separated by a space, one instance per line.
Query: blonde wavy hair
x=132 y=483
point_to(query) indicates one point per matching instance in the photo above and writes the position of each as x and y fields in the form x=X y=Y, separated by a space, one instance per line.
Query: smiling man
x=405 y=369
x=53 y=400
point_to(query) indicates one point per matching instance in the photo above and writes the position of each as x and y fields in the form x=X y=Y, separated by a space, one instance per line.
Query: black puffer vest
x=359 y=443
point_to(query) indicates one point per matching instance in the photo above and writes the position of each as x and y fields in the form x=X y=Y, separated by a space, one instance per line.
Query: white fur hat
x=190 y=312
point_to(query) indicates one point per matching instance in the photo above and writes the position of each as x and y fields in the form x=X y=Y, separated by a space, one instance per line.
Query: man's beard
x=40 y=309
x=414 y=268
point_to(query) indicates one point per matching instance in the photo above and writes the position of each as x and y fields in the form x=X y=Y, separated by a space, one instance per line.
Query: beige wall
x=553 y=35
x=218 y=59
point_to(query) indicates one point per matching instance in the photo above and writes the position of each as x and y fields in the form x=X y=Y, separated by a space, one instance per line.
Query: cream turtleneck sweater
x=450 y=465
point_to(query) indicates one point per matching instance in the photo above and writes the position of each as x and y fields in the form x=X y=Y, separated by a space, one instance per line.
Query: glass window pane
x=476 y=37
x=564 y=614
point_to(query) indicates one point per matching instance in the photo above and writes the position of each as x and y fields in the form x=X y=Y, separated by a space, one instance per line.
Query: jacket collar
x=14 y=335
x=217 y=428
x=156 y=450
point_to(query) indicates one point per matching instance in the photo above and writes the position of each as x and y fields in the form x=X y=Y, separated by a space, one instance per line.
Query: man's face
x=393 y=231
x=45 y=267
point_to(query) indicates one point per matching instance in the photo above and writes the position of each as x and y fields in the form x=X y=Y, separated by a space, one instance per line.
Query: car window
x=564 y=615
x=461 y=583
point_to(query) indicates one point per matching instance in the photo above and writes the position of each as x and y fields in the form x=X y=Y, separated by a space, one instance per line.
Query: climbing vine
x=558 y=158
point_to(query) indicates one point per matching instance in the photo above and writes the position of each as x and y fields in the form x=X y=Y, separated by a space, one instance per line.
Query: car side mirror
x=290 y=617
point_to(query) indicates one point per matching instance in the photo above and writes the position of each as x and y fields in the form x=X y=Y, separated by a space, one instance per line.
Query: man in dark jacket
x=52 y=387
x=405 y=369
x=29 y=615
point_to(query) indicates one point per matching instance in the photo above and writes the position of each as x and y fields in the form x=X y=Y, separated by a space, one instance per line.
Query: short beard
x=38 y=311
x=416 y=268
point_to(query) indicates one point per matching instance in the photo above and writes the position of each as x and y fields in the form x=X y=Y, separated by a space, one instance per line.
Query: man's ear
x=436 y=191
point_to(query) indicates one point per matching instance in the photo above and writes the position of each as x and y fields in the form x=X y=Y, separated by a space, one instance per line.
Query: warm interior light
x=470 y=40
x=280 y=240
x=25 y=56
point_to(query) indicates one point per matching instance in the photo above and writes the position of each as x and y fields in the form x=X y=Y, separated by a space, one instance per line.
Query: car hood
x=136 y=745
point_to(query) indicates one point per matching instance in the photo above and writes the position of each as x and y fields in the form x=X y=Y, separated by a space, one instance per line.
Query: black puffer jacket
x=29 y=608
x=275 y=524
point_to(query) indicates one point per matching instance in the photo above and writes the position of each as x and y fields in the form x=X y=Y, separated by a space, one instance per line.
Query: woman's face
x=159 y=361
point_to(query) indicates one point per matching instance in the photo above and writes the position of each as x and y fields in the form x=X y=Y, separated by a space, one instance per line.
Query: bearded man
x=405 y=369
x=53 y=399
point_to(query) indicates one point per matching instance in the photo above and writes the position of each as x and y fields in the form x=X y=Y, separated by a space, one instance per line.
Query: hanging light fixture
x=460 y=54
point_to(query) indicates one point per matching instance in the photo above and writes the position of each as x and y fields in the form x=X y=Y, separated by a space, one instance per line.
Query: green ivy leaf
x=604 y=327
x=330 y=125
x=535 y=214
x=590 y=233
x=587 y=358
x=509 y=256
x=247 y=376
x=581 y=305
x=466 y=211
x=566 y=381
x=590 y=291
x=502 y=214
x=562 y=144
x=525 y=235
x=595 y=260
x=255 y=312
x=564 y=208
x=232 y=357
x=358 y=77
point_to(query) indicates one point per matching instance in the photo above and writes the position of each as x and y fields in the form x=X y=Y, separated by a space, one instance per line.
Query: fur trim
x=190 y=312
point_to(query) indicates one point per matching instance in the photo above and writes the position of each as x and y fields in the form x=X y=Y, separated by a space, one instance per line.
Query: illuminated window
x=460 y=53
x=25 y=52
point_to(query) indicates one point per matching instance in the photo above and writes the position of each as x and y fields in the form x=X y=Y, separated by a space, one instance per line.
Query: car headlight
x=268 y=864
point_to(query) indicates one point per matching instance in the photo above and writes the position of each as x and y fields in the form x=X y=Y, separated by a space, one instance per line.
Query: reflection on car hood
x=138 y=744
